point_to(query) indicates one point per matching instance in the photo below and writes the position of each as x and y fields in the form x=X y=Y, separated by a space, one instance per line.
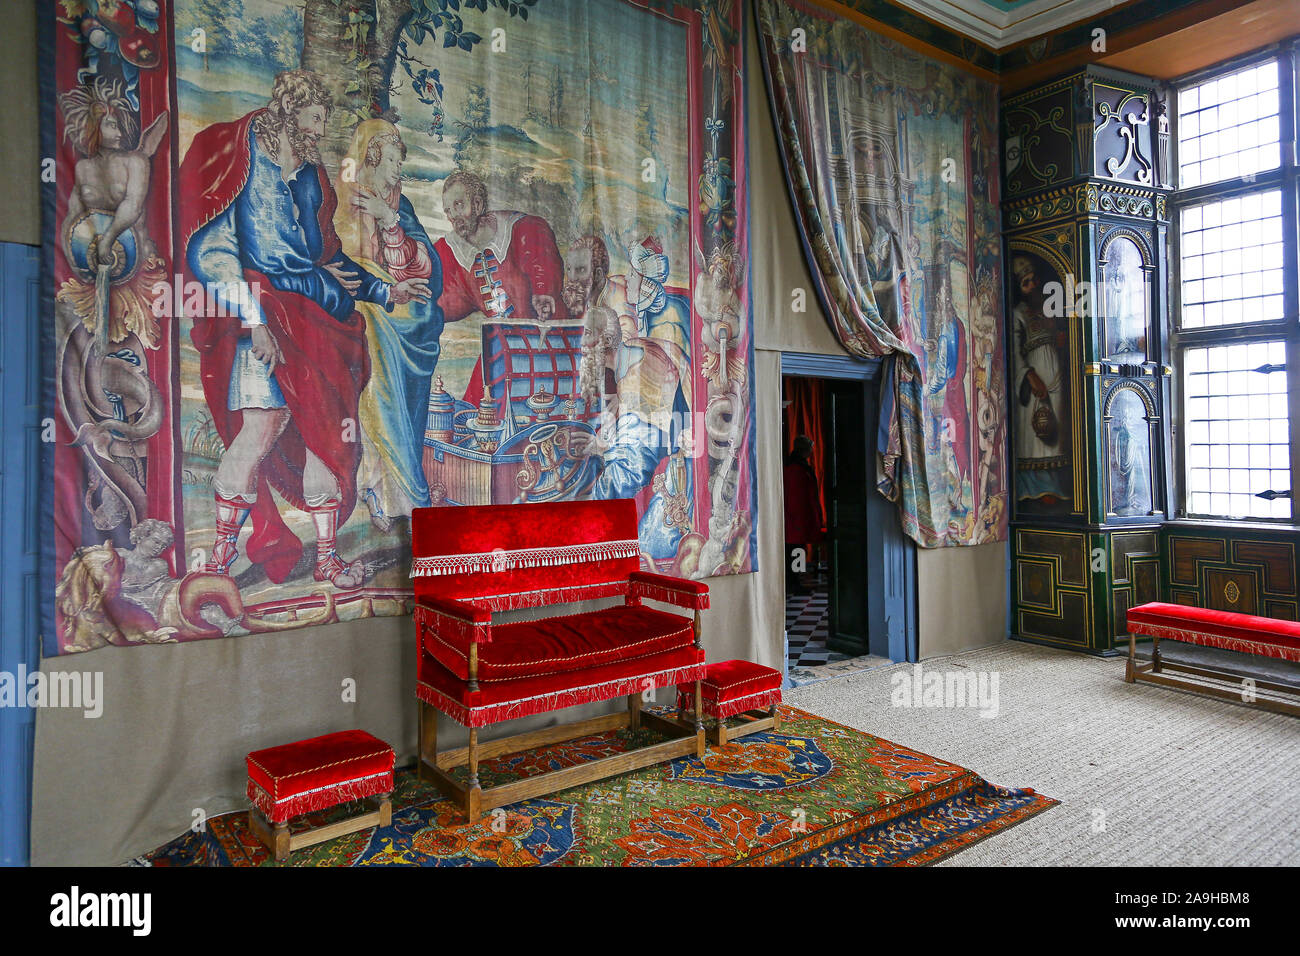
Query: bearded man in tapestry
x=502 y=263
x=285 y=358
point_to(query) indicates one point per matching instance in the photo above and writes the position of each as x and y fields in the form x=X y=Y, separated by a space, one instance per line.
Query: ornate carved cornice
x=1123 y=200
x=1043 y=207
x=1087 y=198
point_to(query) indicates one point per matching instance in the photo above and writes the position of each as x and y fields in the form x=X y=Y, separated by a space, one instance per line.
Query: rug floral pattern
x=816 y=793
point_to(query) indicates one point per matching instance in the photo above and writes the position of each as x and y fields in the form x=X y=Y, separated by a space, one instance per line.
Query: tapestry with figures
x=891 y=158
x=312 y=264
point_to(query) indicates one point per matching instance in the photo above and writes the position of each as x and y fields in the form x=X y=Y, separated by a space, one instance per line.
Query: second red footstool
x=734 y=688
x=297 y=778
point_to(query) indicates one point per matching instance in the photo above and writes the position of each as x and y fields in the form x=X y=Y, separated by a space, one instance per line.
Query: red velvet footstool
x=292 y=779
x=733 y=688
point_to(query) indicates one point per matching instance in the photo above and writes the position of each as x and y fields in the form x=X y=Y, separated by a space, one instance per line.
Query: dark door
x=846 y=506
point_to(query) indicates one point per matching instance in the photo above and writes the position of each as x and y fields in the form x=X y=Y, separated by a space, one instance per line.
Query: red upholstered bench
x=1246 y=633
x=736 y=688
x=469 y=562
x=293 y=779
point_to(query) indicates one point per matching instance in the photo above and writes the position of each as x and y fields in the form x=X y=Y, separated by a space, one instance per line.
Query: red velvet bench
x=293 y=779
x=472 y=561
x=736 y=688
x=1246 y=633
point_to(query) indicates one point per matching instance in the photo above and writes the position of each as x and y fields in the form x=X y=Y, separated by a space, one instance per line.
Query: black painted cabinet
x=1085 y=231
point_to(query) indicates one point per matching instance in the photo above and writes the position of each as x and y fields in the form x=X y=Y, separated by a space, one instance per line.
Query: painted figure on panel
x=1128 y=433
x=381 y=233
x=285 y=359
x=1041 y=375
x=1127 y=302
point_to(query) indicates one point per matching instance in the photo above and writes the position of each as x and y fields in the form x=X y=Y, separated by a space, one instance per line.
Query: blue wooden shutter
x=20 y=455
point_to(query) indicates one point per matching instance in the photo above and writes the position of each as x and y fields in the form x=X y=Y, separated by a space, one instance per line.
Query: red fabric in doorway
x=803 y=414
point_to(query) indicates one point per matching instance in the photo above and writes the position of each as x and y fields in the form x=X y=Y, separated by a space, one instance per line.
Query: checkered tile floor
x=807 y=621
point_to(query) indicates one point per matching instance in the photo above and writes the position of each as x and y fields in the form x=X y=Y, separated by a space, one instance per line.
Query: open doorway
x=804 y=445
x=850 y=599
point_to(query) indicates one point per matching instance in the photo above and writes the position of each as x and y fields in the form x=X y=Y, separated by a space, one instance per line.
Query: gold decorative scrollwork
x=545 y=453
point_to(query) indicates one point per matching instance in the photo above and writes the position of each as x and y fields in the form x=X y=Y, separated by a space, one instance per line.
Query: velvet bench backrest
x=528 y=555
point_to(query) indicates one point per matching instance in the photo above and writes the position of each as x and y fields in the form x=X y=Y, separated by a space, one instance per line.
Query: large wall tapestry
x=318 y=263
x=892 y=159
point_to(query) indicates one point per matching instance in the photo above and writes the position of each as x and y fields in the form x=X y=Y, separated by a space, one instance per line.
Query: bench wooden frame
x=1155 y=673
x=281 y=842
x=471 y=562
x=685 y=740
x=752 y=721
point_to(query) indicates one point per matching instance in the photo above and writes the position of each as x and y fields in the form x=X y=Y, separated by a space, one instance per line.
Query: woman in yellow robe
x=380 y=232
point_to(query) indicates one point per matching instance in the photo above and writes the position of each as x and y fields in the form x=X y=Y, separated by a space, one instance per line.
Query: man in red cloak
x=503 y=264
x=282 y=349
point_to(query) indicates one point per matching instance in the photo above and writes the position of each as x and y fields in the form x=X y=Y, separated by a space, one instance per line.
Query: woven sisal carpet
x=816 y=793
x=1145 y=775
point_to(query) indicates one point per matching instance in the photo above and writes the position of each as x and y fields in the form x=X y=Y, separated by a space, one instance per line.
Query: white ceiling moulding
x=1000 y=25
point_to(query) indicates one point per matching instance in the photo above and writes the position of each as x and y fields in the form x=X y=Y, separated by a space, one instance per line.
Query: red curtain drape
x=803 y=401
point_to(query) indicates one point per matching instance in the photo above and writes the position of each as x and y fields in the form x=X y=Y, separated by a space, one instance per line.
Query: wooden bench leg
x=701 y=745
x=474 y=795
x=386 y=810
x=1131 y=669
x=428 y=743
x=280 y=841
x=776 y=719
x=1155 y=654
x=697 y=722
x=634 y=711
x=275 y=837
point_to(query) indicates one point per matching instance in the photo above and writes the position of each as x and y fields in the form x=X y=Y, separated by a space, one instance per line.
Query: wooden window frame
x=1285 y=178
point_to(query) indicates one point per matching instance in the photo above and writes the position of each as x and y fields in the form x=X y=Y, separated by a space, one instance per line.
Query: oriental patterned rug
x=815 y=794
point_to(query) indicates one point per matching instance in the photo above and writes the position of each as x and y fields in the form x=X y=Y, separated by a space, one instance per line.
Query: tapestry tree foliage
x=357 y=45
x=227 y=29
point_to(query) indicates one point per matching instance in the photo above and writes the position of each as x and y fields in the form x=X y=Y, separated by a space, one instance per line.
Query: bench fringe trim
x=728 y=708
x=1260 y=648
x=555 y=700
x=541 y=597
x=502 y=560
x=321 y=798
x=669 y=595
x=446 y=624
